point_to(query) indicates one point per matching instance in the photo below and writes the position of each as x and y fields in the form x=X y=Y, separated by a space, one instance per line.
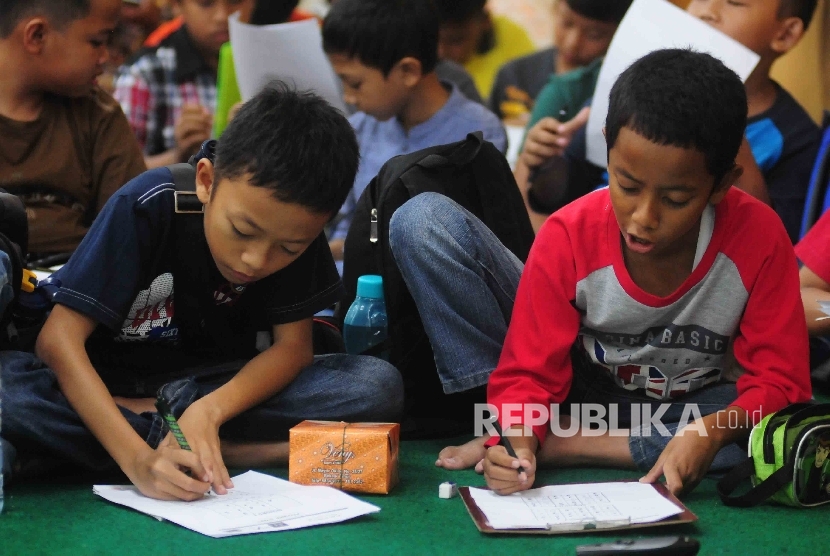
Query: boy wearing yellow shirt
x=481 y=42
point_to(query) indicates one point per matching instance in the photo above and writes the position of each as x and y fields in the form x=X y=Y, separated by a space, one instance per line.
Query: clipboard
x=484 y=526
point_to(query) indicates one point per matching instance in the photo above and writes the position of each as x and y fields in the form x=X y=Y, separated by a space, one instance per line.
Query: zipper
x=373 y=226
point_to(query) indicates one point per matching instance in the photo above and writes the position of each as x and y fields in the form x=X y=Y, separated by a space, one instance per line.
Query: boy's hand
x=550 y=137
x=685 y=460
x=201 y=430
x=501 y=470
x=158 y=474
x=194 y=127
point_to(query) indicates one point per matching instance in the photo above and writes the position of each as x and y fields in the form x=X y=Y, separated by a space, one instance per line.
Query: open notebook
x=574 y=508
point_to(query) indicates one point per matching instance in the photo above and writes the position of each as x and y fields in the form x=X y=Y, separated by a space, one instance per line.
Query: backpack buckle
x=186 y=202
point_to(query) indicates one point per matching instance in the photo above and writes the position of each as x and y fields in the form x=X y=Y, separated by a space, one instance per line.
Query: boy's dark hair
x=611 y=11
x=685 y=99
x=803 y=9
x=270 y=12
x=459 y=11
x=60 y=12
x=380 y=33
x=294 y=143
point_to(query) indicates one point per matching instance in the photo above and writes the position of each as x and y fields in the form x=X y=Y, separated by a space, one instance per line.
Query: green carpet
x=50 y=518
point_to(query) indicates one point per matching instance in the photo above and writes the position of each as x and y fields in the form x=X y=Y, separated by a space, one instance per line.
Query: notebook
x=572 y=508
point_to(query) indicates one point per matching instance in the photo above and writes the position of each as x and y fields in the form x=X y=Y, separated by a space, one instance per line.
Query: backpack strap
x=185 y=199
x=193 y=308
x=755 y=495
x=468 y=150
x=462 y=153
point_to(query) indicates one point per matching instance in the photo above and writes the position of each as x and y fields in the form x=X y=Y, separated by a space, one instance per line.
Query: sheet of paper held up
x=258 y=503
x=598 y=504
x=290 y=52
x=651 y=25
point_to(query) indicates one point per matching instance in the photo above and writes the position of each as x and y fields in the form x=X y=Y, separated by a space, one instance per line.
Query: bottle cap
x=370 y=286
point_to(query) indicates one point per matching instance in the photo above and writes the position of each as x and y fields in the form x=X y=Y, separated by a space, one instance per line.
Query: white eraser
x=447 y=490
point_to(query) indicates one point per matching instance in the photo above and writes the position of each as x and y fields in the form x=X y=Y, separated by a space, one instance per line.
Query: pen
x=172 y=424
x=507 y=446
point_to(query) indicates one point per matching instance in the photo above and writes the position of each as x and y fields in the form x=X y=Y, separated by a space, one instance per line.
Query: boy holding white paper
x=629 y=299
x=782 y=137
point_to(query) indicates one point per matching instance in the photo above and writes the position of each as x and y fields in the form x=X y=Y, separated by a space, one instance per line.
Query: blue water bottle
x=365 y=325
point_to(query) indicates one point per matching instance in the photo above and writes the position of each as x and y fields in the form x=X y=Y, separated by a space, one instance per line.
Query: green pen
x=164 y=410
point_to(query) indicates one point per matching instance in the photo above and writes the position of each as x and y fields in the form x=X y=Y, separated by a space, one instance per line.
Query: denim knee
x=382 y=387
x=23 y=381
x=415 y=224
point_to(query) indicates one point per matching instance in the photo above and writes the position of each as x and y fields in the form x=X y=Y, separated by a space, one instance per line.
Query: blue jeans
x=464 y=283
x=38 y=418
x=6 y=289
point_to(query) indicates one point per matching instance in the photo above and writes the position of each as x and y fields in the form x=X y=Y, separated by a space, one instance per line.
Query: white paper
x=290 y=52
x=515 y=136
x=651 y=25
x=258 y=503
x=562 y=505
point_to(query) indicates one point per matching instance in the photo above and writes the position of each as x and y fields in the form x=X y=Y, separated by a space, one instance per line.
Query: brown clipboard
x=484 y=526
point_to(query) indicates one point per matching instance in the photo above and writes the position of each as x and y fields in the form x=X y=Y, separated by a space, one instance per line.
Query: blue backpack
x=818 y=193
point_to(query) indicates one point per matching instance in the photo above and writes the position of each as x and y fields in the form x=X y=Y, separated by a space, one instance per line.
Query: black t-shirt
x=785 y=142
x=122 y=276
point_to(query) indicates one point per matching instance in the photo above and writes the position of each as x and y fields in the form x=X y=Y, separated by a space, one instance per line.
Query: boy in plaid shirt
x=169 y=92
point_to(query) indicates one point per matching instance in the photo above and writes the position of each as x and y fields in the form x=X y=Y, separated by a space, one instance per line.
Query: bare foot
x=136 y=405
x=463 y=457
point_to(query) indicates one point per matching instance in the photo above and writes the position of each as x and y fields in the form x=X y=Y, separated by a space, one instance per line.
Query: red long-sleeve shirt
x=576 y=290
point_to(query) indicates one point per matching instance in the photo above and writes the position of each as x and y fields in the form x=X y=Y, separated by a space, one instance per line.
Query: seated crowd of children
x=676 y=284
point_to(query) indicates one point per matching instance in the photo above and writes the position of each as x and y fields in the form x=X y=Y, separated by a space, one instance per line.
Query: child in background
x=482 y=43
x=783 y=137
x=266 y=12
x=784 y=140
x=169 y=92
x=629 y=298
x=582 y=31
x=385 y=55
x=257 y=267
x=450 y=71
x=65 y=145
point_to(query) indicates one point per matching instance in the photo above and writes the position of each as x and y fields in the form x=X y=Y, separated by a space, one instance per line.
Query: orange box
x=358 y=457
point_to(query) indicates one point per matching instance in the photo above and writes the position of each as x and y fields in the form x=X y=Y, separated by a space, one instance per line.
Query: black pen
x=507 y=446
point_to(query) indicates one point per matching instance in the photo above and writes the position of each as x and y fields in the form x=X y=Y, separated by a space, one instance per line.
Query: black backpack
x=14 y=240
x=471 y=172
